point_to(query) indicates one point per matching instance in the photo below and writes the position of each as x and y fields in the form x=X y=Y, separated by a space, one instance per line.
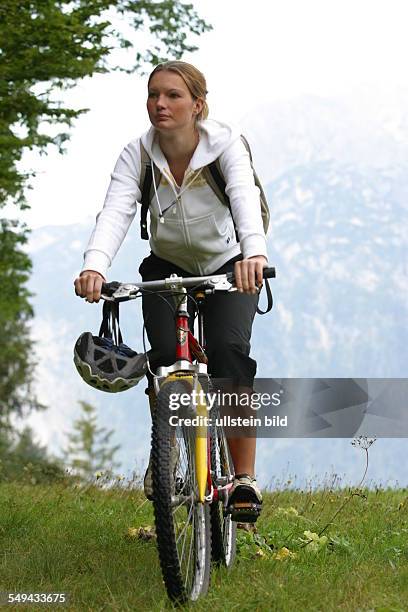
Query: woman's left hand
x=249 y=273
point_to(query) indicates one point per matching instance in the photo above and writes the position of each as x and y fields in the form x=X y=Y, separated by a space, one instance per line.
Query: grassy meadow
x=312 y=550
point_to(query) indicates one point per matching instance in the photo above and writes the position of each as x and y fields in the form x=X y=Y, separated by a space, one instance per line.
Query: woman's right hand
x=89 y=285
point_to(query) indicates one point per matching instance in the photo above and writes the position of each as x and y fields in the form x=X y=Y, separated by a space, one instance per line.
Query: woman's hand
x=89 y=285
x=249 y=273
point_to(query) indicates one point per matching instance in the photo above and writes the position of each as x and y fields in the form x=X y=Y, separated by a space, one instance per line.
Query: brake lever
x=219 y=285
x=225 y=284
x=123 y=293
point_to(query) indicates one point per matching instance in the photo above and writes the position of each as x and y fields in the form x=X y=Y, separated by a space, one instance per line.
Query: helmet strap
x=110 y=322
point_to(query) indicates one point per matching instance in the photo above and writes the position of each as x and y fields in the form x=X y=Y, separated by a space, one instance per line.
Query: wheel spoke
x=222 y=528
x=189 y=555
x=185 y=526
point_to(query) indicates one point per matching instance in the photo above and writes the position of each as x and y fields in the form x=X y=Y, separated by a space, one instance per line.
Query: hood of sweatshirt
x=215 y=138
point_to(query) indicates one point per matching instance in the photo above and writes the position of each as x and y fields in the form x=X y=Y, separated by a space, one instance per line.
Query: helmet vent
x=99 y=354
x=106 y=366
x=120 y=363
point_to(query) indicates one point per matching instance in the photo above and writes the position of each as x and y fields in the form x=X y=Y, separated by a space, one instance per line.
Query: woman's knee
x=230 y=359
x=165 y=355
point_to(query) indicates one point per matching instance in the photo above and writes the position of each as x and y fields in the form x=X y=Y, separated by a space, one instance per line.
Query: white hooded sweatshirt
x=189 y=226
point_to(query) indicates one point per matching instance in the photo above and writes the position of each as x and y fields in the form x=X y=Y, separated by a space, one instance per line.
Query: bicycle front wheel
x=182 y=521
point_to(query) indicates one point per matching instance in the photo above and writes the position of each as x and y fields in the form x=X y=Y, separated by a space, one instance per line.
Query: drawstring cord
x=178 y=195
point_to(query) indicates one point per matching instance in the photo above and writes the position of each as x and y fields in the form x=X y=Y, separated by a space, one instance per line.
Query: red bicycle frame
x=187 y=348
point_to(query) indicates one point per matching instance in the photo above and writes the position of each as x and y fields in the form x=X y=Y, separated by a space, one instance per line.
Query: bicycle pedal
x=243 y=512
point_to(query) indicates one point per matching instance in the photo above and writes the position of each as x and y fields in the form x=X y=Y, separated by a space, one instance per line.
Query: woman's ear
x=198 y=106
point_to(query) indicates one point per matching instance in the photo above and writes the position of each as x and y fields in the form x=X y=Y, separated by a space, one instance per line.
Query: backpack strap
x=146 y=188
x=264 y=207
x=215 y=178
x=248 y=148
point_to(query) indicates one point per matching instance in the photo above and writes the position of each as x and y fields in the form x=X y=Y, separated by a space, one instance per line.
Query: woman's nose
x=160 y=102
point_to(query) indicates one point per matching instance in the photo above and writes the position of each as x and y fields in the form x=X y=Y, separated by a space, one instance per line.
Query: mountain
x=338 y=197
x=339 y=243
x=366 y=128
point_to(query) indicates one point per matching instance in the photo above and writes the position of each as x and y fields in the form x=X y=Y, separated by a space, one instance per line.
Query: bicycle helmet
x=104 y=364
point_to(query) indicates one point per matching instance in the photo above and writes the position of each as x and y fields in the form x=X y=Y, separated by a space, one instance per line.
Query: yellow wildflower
x=314 y=542
x=293 y=511
x=260 y=553
x=284 y=553
x=287 y=511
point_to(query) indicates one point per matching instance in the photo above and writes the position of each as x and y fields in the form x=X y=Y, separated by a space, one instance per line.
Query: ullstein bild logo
x=234 y=401
x=228 y=421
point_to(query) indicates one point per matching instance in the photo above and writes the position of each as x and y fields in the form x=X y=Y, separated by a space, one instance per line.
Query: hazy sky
x=258 y=51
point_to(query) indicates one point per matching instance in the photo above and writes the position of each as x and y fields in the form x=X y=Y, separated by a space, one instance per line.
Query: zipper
x=178 y=200
x=183 y=188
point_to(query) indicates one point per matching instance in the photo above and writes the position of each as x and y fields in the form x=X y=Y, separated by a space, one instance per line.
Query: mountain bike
x=192 y=468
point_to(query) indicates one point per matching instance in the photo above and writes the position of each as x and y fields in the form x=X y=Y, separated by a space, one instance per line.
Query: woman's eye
x=174 y=95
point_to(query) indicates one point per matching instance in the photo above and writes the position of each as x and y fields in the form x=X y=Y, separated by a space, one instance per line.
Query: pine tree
x=88 y=450
x=22 y=457
x=17 y=362
x=46 y=48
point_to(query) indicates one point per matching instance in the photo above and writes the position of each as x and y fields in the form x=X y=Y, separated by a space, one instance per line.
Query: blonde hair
x=193 y=78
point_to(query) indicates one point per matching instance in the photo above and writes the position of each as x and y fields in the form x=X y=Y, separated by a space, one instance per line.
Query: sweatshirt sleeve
x=117 y=214
x=244 y=198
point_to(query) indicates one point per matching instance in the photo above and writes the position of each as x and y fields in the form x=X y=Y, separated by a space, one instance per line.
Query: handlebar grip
x=110 y=288
x=269 y=272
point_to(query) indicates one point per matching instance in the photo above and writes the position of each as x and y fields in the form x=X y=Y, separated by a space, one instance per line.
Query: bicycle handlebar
x=126 y=291
x=269 y=272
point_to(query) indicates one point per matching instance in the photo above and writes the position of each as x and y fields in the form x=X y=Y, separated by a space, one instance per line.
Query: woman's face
x=169 y=103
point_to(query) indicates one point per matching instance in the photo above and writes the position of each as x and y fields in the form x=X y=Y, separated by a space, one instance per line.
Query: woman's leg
x=158 y=313
x=228 y=326
x=228 y=319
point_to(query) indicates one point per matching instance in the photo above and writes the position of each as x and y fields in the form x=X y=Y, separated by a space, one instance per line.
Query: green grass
x=60 y=538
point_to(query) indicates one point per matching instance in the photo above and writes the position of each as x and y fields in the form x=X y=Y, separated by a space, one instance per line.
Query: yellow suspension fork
x=201 y=449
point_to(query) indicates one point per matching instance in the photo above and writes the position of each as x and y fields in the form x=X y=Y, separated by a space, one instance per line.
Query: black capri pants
x=228 y=319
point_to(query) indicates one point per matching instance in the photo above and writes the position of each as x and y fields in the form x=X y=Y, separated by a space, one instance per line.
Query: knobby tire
x=183 y=530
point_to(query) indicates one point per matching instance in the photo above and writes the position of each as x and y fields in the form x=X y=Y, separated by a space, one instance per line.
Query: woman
x=192 y=233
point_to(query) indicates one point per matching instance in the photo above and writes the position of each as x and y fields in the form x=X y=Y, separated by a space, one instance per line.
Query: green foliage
x=46 y=46
x=16 y=355
x=88 y=449
x=23 y=459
